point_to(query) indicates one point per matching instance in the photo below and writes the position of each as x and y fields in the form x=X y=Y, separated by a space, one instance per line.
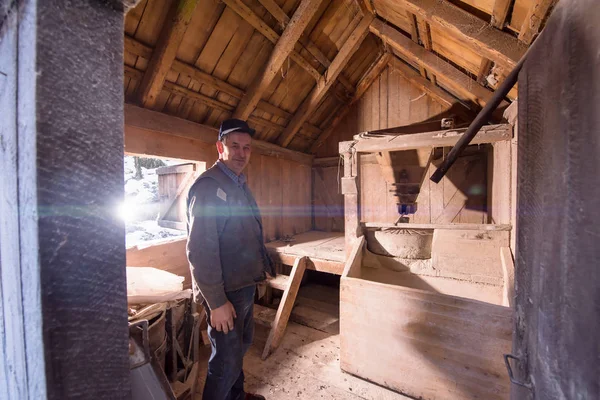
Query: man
x=227 y=258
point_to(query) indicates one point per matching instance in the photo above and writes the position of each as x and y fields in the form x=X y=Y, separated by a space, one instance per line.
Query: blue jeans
x=225 y=379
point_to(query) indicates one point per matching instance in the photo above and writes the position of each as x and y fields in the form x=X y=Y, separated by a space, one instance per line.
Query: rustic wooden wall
x=390 y=101
x=282 y=189
x=394 y=101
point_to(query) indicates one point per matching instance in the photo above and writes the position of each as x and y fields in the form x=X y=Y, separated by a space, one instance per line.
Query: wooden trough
x=429 y=337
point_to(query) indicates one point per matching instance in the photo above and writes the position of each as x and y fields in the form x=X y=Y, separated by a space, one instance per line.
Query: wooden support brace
x=285 y=307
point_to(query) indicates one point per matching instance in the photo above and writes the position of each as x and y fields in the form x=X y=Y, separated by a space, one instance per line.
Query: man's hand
x=221 y=318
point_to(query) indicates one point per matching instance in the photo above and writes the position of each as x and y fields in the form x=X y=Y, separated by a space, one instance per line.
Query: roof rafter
x=537 y=13
x=459 y=82
x=365 y=82
x=283 y=48
x=327 y=80
x=164 y=54
x=280 y=15
x=475 y=33
x=249 y=16
x=215 y=103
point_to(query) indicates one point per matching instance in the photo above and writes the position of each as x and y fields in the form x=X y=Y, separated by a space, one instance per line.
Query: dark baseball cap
x=234 y=125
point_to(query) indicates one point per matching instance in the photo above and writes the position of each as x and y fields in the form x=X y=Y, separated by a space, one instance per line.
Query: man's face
x=235 y=151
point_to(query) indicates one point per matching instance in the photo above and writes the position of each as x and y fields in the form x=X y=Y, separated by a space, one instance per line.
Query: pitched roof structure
x=293 y=68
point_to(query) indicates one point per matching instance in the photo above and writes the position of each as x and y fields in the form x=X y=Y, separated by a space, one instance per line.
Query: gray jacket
x=225 y=245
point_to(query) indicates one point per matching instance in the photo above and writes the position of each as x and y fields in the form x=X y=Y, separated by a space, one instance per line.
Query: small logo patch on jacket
x=221 y=194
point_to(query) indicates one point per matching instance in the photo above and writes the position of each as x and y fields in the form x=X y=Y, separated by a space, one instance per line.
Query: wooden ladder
x=289 y=285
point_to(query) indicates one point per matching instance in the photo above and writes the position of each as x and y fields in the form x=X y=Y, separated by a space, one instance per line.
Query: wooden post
x=63 y=298
x=350 y=191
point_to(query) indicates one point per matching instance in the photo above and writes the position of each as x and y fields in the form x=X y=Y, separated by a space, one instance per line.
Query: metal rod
x=481 y=119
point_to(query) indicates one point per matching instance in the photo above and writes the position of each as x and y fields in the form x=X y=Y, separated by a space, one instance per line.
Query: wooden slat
x=365 y=82
x=447 y=138
x=353 y=263
x=458 y=81
x=152 y=121
x=508 y=270
x=285 y=307
x=245 y=12
x=473 y=32
x=414 y=35
x=500 y=13
x=425 y=35
x=537 y=13
x=165 y=51
x=323 y=85
x=282 y=50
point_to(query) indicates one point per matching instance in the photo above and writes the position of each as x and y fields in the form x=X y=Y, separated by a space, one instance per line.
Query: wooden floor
x=306 y=365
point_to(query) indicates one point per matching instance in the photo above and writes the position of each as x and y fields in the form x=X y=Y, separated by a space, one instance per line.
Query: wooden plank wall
x=282 y=189
x=390 y=101
x=394 y=101
x=328 y=202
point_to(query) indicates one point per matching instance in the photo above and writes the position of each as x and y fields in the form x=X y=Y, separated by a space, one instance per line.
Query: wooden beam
x=166 y=49
x=446 y=138
x=281 y=17
x=366 y=7
x=414 y=35
x=471 y=31
x=500 y=13
x=365 y=82
x=537 y=14
x=249 y=16
x=459 y=82
x=432 y=90
x=314 y=98
x=282 y=50
x=144 y=51
x=153 y=121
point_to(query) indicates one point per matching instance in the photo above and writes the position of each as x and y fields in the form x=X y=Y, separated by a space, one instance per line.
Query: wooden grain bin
x=173 y=184
x=440 y=335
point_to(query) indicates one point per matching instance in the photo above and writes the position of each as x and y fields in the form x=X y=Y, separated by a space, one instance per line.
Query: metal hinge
x=527 y=385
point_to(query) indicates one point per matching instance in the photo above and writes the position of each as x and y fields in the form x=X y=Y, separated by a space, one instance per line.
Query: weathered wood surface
x=285 y=307
x=325 y=82
x=446 y=138
x=473 y=32
x=458 y=81
x=167 y=255
x=312 y=244
x=283 y=48
x=163 y=56
x=435 y=347
x=557 y=274
x=62 y=250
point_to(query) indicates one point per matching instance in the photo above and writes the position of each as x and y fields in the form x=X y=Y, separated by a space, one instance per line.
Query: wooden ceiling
x=294 y=67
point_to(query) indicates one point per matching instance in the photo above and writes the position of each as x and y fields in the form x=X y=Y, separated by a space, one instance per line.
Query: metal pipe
x=481 y=119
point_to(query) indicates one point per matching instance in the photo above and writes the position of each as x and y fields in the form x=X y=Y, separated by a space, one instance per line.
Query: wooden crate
x=425 y=336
